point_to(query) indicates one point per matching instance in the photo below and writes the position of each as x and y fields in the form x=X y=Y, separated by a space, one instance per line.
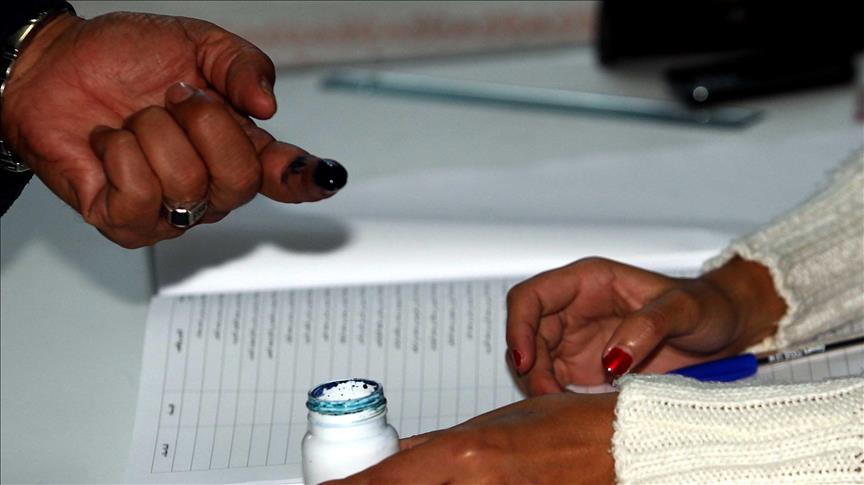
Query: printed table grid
x=230 y=398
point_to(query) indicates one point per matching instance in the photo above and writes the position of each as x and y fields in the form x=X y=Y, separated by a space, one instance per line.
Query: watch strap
x=18 y=13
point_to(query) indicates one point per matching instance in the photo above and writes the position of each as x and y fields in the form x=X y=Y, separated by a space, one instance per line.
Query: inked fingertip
x=330 y=175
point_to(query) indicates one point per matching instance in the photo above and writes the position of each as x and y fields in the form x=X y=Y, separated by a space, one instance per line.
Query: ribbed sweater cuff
x=815 y=255
x=670 y=429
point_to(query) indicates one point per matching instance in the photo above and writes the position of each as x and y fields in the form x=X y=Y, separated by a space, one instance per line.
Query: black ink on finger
x=296 y=167
x=330 y=175
x=299 y=163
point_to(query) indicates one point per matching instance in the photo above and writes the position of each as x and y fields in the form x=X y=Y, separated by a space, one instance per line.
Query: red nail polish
x=617 y=362
x=517 y=358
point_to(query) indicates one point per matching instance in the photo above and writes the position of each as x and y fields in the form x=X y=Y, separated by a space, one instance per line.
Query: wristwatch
x=18 y=27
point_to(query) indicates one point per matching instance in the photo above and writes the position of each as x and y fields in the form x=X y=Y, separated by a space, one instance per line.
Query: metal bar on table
x=449 y=89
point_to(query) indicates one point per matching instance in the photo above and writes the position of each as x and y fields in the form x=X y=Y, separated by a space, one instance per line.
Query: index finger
x=541 y=378
x=289 y=173
x=528 y=302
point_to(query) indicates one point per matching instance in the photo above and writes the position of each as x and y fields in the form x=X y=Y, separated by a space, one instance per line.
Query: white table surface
x=74 y=305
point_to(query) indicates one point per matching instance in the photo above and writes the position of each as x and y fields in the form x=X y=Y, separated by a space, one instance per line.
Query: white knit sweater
x=670 y=429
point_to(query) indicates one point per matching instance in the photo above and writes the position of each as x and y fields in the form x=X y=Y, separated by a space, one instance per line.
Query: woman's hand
x=595 y=317
x=97 y=108
x=562 y=438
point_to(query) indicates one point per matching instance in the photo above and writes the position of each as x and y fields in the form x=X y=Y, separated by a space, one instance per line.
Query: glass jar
x=348 y=430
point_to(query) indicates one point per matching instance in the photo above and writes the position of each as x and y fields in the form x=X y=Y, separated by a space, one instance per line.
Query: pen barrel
x=794 y=354
x=723 y=370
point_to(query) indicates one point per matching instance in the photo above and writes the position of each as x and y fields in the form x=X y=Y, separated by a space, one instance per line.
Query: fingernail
x=267 y=86
x=179 y=92
x=330 y=175
x=617 y=362
x=517 y=358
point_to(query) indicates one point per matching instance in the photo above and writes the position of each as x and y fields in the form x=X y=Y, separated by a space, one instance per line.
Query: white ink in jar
x=348 y=430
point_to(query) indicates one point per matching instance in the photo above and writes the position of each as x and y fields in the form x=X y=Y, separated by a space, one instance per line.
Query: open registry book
x=420 y=309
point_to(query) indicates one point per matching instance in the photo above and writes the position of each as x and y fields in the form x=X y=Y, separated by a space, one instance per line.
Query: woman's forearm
x=748 y=285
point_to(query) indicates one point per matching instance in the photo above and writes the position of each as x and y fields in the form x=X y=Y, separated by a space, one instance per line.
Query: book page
x=225 y=376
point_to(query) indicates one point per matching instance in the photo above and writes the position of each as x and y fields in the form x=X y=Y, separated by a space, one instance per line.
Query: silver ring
x=184 y=215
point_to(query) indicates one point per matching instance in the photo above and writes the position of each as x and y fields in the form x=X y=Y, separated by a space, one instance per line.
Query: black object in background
x=758 y=74
x=759 y=47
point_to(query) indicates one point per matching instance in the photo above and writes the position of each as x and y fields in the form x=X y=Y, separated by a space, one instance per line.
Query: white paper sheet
x=225 y=377
x=310 y=252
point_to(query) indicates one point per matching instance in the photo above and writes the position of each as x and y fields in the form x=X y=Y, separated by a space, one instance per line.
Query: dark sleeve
x=11 y=185
x=17 y=12
x=14 y=15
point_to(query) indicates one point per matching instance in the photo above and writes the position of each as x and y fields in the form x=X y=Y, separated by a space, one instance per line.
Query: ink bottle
x=348 y=430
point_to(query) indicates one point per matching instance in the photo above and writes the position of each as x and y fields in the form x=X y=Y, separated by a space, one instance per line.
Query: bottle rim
x=373 y=401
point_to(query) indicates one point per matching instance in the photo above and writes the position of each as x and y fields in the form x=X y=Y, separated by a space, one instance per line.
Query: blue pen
x=746 y=365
